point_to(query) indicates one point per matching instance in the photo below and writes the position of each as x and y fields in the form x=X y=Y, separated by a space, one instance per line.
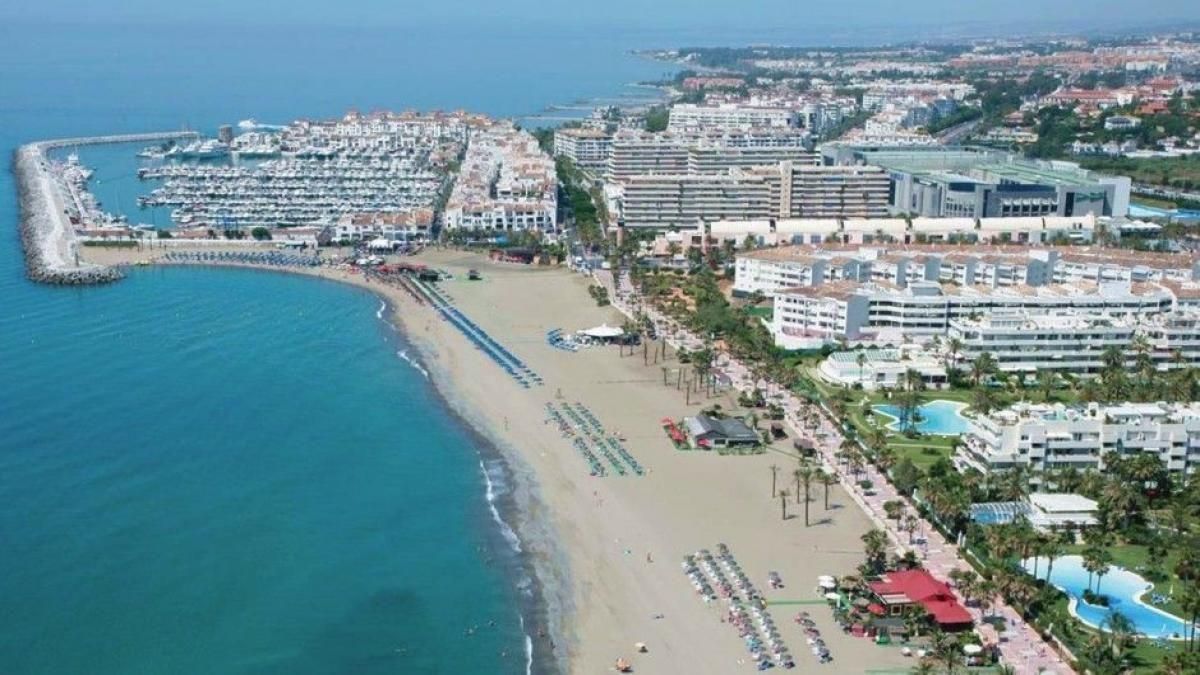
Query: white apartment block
x=415 y=224
x=505 y=183
x=1045 y=437
x=767 y=270
x=588 y=148
x=783 y=191
x=634 y=153
x=691 y=116
x=882 y=312
x=1026 y=343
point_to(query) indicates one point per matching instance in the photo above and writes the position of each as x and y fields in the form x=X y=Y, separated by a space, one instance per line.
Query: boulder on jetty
x=47 y=235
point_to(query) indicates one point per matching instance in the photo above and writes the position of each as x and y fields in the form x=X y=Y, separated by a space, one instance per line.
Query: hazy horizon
x=700 y=21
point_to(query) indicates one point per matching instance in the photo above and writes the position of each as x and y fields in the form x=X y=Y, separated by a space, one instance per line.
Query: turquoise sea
x=228 y=472
x=223 y=471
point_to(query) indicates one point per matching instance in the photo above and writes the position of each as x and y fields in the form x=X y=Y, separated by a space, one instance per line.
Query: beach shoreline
x=604 y=551
x=545 y=605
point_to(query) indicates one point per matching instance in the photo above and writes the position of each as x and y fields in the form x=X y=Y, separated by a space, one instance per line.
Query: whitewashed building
x=1043 y=437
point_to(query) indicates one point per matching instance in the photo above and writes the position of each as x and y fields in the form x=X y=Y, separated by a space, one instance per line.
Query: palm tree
x=783 y=495
x=983 y=365
x=875 y=547
x=1190 y=604
x=828 y=479
x=861 y=360
x=1046 y=381
x=981 y=400
x=1095 y=561
x=910 y=526
x=953 y=347
x=774 y=477
x=1051 y=548
x=804 y=478
x=894 y=509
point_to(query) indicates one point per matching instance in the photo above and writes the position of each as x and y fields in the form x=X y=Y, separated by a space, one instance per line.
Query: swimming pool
x=940 y=418
x=1124 y=590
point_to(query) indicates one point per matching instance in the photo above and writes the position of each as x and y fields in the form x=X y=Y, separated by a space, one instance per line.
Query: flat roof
x=1062 y=503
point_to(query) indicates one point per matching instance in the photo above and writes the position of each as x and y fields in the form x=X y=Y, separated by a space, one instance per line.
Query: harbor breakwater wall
x=47 y=234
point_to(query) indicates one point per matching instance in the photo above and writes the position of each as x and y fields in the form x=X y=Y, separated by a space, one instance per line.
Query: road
x=956 y=133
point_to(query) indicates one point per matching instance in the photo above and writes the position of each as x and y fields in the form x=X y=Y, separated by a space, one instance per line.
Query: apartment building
x=505 y=183
x=883 y=312
x=589 y=148
x=634 y=153
x=1049 y=437
x=786 y=190
x=723 y=116
x=1075 y=342
x=767 y=270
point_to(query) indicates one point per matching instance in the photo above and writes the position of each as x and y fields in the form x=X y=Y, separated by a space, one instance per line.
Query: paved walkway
x=1020 y=645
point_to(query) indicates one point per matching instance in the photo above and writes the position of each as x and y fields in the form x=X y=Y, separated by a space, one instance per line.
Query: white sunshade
x=603 y=331
x=832 y=596
x=972 y=649
x=827 y=583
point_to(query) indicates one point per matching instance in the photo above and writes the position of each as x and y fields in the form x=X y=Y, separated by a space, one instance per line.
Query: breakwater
x=47 y=233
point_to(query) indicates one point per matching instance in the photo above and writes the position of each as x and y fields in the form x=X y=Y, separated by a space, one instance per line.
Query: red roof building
x=899 y=590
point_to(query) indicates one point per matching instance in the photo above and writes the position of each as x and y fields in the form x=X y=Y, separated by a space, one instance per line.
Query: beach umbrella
x=832 y=596
x=972 y=649
x=828 y=584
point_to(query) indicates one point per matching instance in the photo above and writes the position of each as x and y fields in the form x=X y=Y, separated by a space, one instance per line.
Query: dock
x=47 y=234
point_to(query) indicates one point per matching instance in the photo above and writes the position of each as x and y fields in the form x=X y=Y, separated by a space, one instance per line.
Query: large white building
x=1043 y=437
x=768 y=270
x=634 y=153
x=781 y=191
x=808 y=317
x=692 y=116
x=588 y=147
x=1075 y=342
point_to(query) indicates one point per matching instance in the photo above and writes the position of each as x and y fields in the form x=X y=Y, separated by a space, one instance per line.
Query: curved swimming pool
x=1124 y=590
x=938 y=418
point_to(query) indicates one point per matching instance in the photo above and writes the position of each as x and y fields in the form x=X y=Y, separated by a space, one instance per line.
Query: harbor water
x=229 y=471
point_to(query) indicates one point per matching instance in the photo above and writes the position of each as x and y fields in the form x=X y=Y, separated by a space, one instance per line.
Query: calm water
x=217 y=471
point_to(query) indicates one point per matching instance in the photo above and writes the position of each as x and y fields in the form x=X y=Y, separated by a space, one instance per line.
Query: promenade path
x=1020 y=644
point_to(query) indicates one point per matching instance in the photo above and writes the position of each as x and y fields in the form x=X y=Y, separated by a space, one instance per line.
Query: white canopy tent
x=603 y=332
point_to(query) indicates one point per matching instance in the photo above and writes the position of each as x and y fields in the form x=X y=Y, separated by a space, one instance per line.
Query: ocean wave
x=528 y=647
x=403 y=354
x=493 y=478
x=496 y=487
x=379 y=312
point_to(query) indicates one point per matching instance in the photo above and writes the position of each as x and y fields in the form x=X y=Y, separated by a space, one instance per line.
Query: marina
x=309 y=173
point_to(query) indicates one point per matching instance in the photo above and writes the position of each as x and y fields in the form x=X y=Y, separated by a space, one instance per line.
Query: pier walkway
x=47 y=234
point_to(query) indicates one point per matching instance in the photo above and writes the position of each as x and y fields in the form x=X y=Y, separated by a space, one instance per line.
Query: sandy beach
x=622 y=538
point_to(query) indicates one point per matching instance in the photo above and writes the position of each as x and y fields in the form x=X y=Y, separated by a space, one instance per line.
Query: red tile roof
x=919 y=586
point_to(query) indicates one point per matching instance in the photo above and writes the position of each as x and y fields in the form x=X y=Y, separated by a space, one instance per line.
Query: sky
x=773 y=16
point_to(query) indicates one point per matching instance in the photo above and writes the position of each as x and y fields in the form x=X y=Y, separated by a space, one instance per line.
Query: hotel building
x=1045 y=437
